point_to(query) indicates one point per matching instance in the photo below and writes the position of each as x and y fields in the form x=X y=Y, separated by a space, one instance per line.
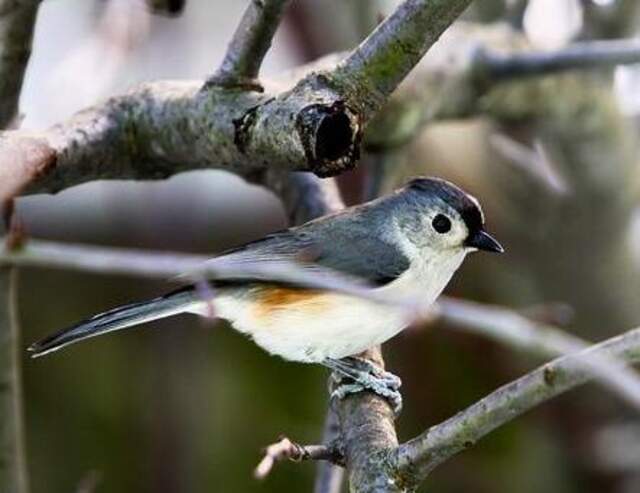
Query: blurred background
x=185 y=405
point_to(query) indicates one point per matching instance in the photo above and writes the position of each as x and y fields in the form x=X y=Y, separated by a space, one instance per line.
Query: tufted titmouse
x=407 y=243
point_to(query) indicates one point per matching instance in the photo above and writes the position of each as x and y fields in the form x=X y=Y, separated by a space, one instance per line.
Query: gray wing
x=351 y=249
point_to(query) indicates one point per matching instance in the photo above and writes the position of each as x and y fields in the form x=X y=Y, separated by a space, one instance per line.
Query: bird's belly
x=307 y=325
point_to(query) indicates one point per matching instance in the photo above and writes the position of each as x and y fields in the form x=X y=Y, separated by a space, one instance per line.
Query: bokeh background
x=185 y=405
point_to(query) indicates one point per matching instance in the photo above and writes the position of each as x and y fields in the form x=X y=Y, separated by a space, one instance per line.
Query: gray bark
x=17 y=22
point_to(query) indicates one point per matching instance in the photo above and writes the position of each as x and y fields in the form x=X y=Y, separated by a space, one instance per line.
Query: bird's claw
x=363 y=375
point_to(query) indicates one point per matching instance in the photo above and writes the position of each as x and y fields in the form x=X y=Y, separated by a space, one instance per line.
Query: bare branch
x=586 y=55
x=466 y=75
x=158 y=265
x=163 y=128
x=386 y=56
x=517 y=331
x=249 y=45
x=285 y=449
x=13 y=470
x=369 y=438
x=17 y=22
x=363 y=422
x=418 y=457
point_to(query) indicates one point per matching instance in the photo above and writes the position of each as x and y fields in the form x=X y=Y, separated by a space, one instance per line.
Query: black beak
x=484 y=241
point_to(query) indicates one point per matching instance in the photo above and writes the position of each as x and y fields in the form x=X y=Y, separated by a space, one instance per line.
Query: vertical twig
x=17 y=23
x=13 y=470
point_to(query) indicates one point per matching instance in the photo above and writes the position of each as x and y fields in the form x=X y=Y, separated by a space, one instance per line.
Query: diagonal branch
x=418 y=457
x=376 y=67
x=249 y=45
x=519 y=332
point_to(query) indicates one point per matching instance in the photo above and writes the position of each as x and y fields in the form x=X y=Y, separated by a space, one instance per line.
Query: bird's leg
x=363 y=375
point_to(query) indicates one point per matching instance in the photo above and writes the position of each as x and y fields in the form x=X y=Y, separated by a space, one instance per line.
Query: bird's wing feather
x=354 y=251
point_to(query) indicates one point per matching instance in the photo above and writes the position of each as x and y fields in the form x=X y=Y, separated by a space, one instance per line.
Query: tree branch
x=468 y=75
x=162 y=128
x=369 y=438
x=17 y=22
x=419 y=456
x=285 y=449
x=249 y=45
x=519 y=332
x=376 y=67
x=586 y=55
x=366 y=421
x=13 y=470
x=155 y=265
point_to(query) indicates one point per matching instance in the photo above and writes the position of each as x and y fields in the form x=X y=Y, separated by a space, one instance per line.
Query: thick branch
x=386 y=56
x=17 y=22
x=369 y=438
x=418 y=457
x=166 y=127
x=366 y=421
x=249 y=45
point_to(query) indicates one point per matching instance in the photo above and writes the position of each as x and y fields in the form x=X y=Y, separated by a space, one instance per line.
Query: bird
x=407 y=243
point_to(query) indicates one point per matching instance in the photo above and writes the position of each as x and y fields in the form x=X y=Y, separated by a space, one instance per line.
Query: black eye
x=441 y=224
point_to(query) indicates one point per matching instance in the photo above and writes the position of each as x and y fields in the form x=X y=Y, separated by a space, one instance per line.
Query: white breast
x=310 y=329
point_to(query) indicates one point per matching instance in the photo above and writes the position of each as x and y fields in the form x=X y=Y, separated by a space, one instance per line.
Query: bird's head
x=445 y=218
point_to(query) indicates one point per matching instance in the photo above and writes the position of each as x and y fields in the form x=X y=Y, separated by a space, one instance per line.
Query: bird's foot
x=362 y=375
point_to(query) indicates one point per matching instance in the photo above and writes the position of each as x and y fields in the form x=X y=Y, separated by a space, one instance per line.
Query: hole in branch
x=334 y=136
x=330 y=135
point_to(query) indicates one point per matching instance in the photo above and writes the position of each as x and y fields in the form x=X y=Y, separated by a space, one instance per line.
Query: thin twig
x=161 y=265
x=586 y=55
x=285 y=449
x=13 y=469
x=419 y=456
x=249 y=45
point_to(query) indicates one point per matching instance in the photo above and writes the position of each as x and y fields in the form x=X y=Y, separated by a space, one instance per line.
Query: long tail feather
x=116 y=319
